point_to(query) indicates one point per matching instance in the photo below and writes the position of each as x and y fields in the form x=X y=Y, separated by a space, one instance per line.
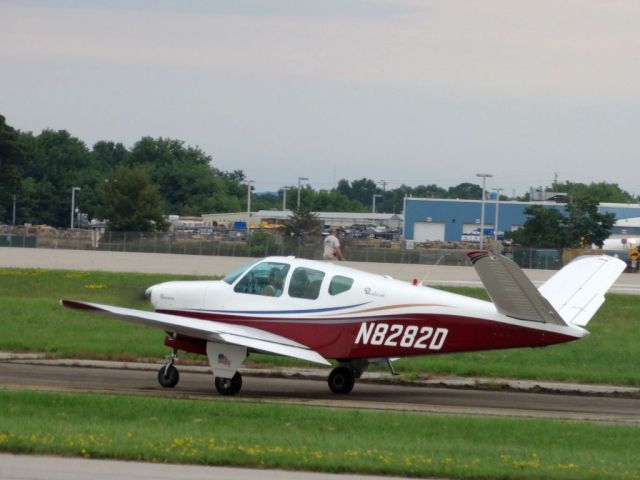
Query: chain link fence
x=262 y=243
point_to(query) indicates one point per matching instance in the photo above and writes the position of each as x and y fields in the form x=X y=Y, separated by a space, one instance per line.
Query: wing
x=249 y=337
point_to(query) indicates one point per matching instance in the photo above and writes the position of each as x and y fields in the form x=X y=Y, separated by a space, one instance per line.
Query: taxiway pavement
x=218 y=266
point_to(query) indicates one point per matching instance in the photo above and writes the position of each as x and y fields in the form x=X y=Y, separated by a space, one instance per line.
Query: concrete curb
x=481 y=383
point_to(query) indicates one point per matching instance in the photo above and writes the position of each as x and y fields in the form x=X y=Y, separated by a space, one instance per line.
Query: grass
x=306 y=438
x=32 y=320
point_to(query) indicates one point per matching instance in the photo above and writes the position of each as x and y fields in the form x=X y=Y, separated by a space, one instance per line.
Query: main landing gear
x=343 y=378
x=168 y=375
x=229 y=386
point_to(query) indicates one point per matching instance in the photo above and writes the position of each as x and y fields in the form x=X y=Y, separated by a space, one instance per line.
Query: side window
x=266 y=278
x=305 y=283
x=340 y=284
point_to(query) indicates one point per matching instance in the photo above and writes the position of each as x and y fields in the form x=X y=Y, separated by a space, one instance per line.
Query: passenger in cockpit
x=299 y=283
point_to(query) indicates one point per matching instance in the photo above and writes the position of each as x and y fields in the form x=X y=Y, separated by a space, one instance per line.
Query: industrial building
x=437 y=219
x=270 y=217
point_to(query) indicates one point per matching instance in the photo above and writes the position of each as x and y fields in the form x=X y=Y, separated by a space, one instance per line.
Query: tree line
x=136 y=188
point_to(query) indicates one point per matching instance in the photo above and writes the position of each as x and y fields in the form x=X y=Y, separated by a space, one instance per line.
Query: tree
x=600 y=192
x=586 y=225
x=544 y=228
x=361 y=190
x=11 y=163
x=131 y=203
x=302 y=223
x=55 y=162
x=467 y=190
x=429 y=191
x=548 y=227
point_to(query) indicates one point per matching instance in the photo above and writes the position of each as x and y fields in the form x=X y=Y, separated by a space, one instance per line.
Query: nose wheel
x=168 y=375
x=341 y=380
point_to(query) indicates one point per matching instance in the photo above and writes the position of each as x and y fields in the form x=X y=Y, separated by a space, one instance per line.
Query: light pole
x=495 y=225
x=14 y=211
x=284 y=198
x=73 y=202
x=249 y=182
x=373 y=208
x=484 y=180
x=300 y=179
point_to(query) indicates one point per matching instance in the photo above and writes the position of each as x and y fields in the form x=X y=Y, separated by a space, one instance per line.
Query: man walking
x=332 y=247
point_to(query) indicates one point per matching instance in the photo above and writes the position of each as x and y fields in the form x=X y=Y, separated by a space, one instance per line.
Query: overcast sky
x=413 y=92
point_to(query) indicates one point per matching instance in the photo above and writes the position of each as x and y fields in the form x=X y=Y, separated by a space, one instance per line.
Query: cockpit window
x=340 y=284
x=233 y=276
x=266 y=278
x=305 y=283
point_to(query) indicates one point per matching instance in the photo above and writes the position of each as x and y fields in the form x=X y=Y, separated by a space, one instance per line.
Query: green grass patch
x=32 y=320
x=306 y=438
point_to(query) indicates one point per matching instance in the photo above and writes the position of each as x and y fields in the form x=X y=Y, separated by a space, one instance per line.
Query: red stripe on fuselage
x=338 y=340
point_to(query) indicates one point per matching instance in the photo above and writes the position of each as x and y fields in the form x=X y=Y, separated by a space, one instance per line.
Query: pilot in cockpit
x=275 y=285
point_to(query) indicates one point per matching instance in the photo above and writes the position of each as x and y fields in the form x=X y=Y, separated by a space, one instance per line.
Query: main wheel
x=229 y=386
x=341 y=380
x=168 y=376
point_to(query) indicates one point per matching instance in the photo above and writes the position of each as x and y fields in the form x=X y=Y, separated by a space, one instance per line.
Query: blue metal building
x=447 y=219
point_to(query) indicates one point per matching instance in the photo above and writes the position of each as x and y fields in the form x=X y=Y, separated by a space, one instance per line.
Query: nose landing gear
x=168 y=375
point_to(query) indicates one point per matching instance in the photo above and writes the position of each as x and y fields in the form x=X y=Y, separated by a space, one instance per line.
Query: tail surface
x=510 y=289
x=577 y=291
x=571 y=297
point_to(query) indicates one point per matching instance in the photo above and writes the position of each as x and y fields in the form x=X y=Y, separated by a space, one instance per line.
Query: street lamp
x=484 y=180
x=73 y=202
x=284 y=198
x=375 y=195
x=495 y=225
x=249 y=182
x=300 y=179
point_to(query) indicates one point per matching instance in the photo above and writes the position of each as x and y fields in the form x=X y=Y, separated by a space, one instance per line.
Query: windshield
x=233 y=276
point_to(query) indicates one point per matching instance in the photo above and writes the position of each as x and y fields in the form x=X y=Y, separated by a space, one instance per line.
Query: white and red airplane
x=316 y=311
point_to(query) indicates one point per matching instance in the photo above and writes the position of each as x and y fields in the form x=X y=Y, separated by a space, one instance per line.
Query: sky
x=402 y=91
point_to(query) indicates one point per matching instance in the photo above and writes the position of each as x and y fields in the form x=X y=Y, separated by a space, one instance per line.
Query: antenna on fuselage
x=431 y=270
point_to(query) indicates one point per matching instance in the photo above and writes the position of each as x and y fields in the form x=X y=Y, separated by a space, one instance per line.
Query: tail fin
x=510 y=289
x=577 y=291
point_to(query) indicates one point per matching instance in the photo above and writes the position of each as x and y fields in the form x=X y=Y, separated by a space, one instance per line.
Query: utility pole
x=484 y=181
x=495 y=224
x=284 y=198
x=375 y=195
x=73 y=202
x=14 y=211
x=249 y=182
x=300 y=180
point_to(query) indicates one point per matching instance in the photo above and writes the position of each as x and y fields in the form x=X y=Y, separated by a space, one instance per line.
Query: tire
x=229 y=386
x=341 y=380
x=168 y=376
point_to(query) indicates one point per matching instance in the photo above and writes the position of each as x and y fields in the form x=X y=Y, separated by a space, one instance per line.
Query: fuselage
x=344 y=313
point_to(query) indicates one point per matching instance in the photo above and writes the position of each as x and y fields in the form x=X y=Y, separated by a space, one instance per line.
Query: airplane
x=321 y=310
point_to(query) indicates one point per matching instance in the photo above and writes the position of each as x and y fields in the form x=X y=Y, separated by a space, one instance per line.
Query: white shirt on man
x=331 y=245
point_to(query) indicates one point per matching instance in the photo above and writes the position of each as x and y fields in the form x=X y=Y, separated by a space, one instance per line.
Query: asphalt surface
x=310 y=391
x=218 y=266
x=23 y=467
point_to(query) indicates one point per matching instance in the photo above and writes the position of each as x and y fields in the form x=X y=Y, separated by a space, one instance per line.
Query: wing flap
x=206 y=329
